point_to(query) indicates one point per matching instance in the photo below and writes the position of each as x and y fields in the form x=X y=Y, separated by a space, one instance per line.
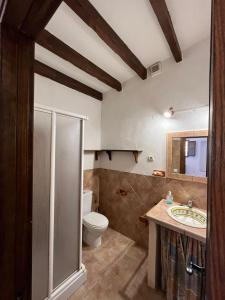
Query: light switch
x=150 y=158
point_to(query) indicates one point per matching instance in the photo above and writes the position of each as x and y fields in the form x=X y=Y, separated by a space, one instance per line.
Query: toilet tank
x=87 y=201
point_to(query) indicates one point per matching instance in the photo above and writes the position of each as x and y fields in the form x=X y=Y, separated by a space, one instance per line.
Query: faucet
x=190 y=203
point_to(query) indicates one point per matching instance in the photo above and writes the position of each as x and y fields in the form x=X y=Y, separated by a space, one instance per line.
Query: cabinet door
x=67 y=198
x=41 y=204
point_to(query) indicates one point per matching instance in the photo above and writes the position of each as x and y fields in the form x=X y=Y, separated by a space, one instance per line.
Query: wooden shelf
x=109 y=152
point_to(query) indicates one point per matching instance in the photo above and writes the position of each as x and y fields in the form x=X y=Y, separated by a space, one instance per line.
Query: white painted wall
x=48 y=92
x=132 y=119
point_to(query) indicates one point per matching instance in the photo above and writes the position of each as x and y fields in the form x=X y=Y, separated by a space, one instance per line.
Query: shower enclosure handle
x=191 y=266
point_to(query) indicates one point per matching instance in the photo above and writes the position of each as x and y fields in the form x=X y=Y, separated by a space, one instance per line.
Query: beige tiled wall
x=92 y=182
x=124 y=197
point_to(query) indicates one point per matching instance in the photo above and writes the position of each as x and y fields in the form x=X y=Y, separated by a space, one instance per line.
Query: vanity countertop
x=158 y=214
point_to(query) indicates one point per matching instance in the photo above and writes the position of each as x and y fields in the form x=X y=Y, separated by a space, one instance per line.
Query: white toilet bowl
x=94 y=224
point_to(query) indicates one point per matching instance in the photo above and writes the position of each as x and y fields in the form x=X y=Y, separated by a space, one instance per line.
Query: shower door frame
x=77 y=278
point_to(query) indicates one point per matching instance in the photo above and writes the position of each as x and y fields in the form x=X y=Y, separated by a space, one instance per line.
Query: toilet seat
x=95 y=220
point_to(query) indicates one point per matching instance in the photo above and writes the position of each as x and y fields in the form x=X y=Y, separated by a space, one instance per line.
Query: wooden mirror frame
x=170 y=136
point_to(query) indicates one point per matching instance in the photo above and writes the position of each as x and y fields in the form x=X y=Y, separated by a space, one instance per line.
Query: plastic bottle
x=169 y=198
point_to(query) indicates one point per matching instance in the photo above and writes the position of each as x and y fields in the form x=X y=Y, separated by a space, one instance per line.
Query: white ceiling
x=136 y=24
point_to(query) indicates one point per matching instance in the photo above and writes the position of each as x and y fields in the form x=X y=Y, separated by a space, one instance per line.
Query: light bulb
x=169 y=113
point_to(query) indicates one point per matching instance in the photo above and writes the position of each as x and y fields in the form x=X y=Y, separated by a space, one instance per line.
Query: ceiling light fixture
x=169 y=113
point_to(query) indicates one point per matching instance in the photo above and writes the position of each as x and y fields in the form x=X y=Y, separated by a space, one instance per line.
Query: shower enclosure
x=57 y=270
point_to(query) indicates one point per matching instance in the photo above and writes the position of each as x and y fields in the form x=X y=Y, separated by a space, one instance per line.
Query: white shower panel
x=57 y=205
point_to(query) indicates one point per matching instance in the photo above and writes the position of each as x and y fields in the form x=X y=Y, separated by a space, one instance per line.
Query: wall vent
x=155 y=69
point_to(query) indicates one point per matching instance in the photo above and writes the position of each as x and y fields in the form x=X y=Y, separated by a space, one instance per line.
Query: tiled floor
x=116 y=271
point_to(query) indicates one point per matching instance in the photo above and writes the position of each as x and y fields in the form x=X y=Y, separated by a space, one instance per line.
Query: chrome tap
x=190 y=203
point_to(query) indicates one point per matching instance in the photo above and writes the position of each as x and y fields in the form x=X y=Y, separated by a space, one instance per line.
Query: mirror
x=187 y=155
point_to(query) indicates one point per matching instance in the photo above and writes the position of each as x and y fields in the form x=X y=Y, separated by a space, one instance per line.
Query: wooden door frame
x=21 y=21
x=215 y=271
x=17 y=52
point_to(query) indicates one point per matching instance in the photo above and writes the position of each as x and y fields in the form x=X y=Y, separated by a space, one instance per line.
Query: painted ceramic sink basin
x=188 y=216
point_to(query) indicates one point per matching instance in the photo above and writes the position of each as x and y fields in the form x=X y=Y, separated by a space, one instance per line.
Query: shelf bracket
x=109 y=152
x=96 y=155
x=135 y=153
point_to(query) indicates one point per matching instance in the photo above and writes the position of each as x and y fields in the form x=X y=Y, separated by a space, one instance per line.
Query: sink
x=188 y=216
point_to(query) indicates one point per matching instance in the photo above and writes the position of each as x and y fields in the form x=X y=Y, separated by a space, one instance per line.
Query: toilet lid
x=94 y=219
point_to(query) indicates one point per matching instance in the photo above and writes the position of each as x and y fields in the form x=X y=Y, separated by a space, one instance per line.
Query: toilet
x=94 y=224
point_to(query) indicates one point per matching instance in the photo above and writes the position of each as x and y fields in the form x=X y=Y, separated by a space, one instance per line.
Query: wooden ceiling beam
x=87 y=12
x=13 y=13
x=163 y=16
x=39 y=15
x=53 y=44
x=61 y=78
x=28 y=16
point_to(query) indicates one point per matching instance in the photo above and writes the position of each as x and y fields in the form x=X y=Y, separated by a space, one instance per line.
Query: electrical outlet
x=150 y=158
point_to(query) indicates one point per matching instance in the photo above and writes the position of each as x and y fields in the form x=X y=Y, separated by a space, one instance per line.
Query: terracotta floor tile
x=137 y=252
x=116 y=271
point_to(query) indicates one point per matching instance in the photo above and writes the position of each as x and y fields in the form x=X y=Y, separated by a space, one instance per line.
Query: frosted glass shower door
x=67 y=220
x=41 y=204
x=57 y=270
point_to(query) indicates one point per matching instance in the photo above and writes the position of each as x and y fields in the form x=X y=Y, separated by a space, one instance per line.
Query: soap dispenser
x=169 y=198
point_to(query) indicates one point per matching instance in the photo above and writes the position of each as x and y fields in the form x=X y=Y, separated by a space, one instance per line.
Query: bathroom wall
x=133 y=118
x=48 y=92
x=124 y=197
x=91 y=182
x=124 y=190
